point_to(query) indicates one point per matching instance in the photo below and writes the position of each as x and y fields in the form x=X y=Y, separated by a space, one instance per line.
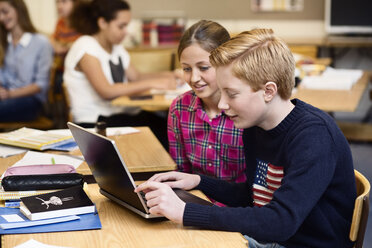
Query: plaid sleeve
x=176 y=143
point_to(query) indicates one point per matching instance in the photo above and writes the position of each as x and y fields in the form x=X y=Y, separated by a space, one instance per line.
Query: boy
x=300 y=187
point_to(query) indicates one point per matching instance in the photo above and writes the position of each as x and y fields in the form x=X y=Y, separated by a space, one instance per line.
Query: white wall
x=43 y=14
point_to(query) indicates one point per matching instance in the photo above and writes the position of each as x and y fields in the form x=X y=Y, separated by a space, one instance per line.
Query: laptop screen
x=106 y=164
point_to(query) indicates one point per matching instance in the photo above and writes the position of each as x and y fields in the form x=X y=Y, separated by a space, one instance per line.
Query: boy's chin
x=241 y=125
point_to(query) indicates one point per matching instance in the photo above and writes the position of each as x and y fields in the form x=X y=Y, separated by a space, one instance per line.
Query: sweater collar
x=287 y=122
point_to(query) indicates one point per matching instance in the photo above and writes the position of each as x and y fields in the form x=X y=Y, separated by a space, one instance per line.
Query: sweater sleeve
x=309 y=171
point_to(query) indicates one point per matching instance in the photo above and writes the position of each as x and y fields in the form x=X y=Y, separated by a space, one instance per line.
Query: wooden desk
x=142 y=152
x=335 y=100
x=122 y=228
x=156 y=103
x=327 y=100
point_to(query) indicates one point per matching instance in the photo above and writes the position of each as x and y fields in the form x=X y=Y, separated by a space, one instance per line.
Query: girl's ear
x=270 y=91
x=101 y=23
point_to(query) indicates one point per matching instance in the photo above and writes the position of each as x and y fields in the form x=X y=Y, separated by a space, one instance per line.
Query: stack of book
x=65 y=210
x=36 y=139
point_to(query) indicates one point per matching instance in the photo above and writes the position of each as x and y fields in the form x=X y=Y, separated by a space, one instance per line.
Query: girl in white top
x=98 y=69
x=89 y=96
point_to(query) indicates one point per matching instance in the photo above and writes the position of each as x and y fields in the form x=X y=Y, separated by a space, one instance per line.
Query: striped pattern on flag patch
x=268 y=179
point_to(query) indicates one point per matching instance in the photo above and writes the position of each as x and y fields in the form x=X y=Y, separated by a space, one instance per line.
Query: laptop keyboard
x=143 y=196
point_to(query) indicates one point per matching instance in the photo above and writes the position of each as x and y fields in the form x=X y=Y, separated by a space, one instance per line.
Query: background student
x=25 y=64
x=202 y=139
x=62 y=38
x=98 y=69
x=300 y=187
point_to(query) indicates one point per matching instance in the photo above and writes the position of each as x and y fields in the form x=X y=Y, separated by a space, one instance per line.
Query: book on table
x=70 y=201
x=34 y=139
x=12 y=221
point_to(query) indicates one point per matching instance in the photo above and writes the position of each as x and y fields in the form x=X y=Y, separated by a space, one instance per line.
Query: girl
x=24 y=64
x=202 y=139
x=98 y=69
x=62 y=39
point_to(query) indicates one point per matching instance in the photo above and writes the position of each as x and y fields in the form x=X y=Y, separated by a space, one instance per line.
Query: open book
x=34 y=139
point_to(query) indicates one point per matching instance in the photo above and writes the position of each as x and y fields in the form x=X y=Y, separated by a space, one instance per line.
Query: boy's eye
x=204 y=68
x=231 y=94
x=186 y=69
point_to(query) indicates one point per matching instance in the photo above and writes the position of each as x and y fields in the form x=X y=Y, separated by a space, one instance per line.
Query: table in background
x=142 y=153
x=334 y=100
x=327 y=100
x=155 y=103
x=123 y=228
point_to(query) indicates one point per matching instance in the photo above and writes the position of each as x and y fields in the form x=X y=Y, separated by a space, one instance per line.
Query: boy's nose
x=222 y=104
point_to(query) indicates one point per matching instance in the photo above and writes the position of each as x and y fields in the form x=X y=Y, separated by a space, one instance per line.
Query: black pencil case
x=41 y=182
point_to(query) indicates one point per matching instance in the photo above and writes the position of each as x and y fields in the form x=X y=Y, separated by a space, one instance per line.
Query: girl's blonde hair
x=257 y=57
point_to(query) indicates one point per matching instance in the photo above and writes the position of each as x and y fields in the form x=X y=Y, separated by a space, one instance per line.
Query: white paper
x=6 y=151
x=110 y=131
x=36 y=244
x=34 y=158
x=333 y=79
x=12 y=217
x=171 y=93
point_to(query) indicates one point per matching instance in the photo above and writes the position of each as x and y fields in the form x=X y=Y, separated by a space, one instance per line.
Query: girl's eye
x=186 y=69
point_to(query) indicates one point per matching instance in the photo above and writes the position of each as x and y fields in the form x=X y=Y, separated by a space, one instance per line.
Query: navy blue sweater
x=314 y=204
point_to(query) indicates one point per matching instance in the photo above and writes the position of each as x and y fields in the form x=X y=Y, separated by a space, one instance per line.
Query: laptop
x=112 y=175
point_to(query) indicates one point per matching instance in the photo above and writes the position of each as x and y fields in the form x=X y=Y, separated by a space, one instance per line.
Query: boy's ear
x=270 y=90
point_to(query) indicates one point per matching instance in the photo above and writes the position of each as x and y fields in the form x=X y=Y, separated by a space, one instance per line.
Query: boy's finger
x=151 y=185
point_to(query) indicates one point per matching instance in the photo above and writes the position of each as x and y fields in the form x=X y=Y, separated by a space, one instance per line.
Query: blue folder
x=84 y=222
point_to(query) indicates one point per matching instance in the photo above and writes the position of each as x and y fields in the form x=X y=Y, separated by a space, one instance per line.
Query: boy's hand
x=162 y=200
x=177 y=179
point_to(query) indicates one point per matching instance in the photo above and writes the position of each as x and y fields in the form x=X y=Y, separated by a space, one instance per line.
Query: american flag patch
x=268 y=179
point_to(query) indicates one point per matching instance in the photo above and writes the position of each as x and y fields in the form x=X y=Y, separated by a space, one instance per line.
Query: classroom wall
x=225 y=9
x=43 y=14
x=235 y=15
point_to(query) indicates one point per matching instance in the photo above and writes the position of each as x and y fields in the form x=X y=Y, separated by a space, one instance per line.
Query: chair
x=355 y=131
x=44 y=120
x=67 y=106
x=153 y=60
x=359 y=131
x=41 y=122
x=361 y=210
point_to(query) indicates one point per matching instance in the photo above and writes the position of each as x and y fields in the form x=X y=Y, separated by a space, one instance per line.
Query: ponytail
x=84 y=18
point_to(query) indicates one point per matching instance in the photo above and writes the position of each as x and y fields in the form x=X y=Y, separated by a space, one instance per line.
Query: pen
x=53 y=161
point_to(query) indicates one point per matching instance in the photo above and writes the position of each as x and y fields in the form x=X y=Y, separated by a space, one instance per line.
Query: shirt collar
x=195 y=103
x=24 y=41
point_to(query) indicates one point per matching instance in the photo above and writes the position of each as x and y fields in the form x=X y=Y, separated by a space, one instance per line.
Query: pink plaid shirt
x=200 y=145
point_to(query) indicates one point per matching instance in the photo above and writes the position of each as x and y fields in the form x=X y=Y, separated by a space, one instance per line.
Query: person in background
x=98 y=69
x=202 y=139
x=62 y=38
x=300 y=187
x=25 y=64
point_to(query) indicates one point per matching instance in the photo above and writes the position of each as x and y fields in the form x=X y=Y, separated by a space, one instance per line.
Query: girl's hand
x=4 y=93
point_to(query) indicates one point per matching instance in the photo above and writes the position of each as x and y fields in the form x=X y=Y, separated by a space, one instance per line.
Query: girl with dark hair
x=25 y=61
x=98 y=69
x=202 y=139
